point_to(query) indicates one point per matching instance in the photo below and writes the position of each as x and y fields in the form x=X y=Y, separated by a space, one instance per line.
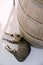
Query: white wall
x=5 y=9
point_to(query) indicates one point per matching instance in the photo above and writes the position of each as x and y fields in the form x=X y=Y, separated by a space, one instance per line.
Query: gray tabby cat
x=23 y=47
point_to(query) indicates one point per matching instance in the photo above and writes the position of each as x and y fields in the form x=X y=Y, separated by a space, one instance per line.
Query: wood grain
x=30 y=26
x=33 y=8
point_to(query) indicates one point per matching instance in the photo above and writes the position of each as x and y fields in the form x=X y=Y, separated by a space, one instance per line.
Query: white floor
x=6 y=58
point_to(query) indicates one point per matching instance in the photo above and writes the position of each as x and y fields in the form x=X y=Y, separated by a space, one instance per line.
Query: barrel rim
x=29 y=15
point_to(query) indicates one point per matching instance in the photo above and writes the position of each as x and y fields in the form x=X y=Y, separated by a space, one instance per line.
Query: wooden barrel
x=33 y=8
x=31 y=30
